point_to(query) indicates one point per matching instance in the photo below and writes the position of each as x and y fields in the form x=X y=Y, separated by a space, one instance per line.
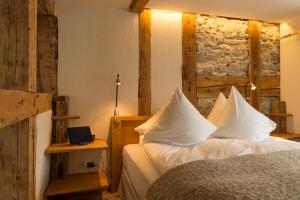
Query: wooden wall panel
x=255 y=62
x=47 y=54
x=144 y=93
x=17 y=71
x=189 y=70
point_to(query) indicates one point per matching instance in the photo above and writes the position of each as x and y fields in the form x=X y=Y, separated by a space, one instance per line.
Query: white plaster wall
x=97 y=40
x=290 y=72
x=166 y=56
x=43 y=140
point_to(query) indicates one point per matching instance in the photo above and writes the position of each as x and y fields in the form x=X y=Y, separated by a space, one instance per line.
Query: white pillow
x=218 y=109
x=179 y=123
x=239 y=120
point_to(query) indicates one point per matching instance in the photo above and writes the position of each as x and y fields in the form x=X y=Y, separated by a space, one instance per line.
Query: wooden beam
x=290 y=35
x=46 y=7
x=47 y=54
x=144 y=93
x=267 y=82
x=189 y=67
x=138 y=5
x=254 y=62
x=16 y=106
x=17 y=72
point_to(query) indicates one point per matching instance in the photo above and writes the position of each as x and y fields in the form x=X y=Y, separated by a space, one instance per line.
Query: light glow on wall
x=166 y=12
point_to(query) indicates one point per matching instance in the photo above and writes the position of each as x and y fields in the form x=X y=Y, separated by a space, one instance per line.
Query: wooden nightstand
x=288 y=136
x=85 y=182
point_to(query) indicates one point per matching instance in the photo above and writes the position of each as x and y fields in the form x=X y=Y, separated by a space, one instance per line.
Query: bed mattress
x=138 y=173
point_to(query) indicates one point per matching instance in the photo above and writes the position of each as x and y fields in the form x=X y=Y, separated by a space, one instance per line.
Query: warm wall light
x=165 y=12
x=252 y=87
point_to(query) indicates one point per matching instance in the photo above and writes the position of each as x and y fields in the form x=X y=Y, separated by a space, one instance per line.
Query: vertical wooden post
x=59 y=164
x=189 y=68
x=255 y=62
x=18 y=71
x=144 y=93
x=47 y=54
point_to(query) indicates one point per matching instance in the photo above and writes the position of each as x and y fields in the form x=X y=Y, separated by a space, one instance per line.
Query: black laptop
x=80 y=135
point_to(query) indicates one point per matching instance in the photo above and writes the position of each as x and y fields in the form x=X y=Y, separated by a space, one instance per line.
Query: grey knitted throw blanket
x=270 y=176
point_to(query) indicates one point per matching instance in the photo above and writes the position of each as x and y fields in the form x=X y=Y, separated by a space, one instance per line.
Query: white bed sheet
x=165 y=157
x=138 y=173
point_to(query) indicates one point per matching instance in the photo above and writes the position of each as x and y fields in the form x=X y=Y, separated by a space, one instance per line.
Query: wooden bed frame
x=122 y=133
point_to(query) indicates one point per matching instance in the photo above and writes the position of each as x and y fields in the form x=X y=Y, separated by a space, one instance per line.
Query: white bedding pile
x=165 y=157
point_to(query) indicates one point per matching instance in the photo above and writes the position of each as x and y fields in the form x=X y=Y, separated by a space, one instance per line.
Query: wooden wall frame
x=144 y=85
x=189 y=67
x=254 y=63
x=138 y=5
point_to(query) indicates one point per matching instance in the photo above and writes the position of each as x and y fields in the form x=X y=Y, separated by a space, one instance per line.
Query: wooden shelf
x=78 y=183
x=287 y=136
x=66 y=147
x=65 y=117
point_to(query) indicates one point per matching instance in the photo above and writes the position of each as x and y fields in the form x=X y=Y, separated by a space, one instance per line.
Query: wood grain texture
x=17 y=72
x=211 y=86
x=59 y=163
x=122 y=133
x=144 y=93
x=138 y=5
x=277 y=108
x=78 y=183
x=47 y=54
x=189 y=67
x=254 y=62
x=16 y=105
x=46 y=7
x=66 y=147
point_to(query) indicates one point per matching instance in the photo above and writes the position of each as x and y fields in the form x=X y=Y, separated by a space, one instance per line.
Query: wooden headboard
x=122 y=133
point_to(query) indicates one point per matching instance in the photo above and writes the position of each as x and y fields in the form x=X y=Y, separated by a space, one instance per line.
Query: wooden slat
x=47 y=54
x=46 y=7
x=215 y=91
x=16 y=105
x=144 y=93
x=238 y=81
x=254 y=62
x=138 y=5
x=65 y=117
x=66 y=147
x=189 y=70
x=279 y=108
x=287 y=136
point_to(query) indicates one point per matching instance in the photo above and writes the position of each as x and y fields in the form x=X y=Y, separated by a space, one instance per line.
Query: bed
x=136 y=167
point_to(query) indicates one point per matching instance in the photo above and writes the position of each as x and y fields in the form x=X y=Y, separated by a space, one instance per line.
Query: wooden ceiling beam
x=138 y=5
x=46 y=7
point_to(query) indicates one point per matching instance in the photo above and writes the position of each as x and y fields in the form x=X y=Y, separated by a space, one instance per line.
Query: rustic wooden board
x=279 y=107
x=267 y=82
x=138 y=5
x=122 y=133
x=60 y=163
x=46 y=7
x=254 y=62
x=189 y=68
x=47 y=54
x=16 y=105
x=144 y=93
x=17 y=72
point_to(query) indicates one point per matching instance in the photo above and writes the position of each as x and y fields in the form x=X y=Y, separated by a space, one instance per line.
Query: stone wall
x=222 y=50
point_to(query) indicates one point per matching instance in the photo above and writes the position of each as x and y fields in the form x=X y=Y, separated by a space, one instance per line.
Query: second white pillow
x=218 y=109
x=240 y=120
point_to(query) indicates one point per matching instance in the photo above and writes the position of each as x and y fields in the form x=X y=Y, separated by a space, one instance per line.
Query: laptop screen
x=80 y=135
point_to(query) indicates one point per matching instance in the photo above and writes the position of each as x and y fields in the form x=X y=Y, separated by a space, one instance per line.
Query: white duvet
x=165 y=157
